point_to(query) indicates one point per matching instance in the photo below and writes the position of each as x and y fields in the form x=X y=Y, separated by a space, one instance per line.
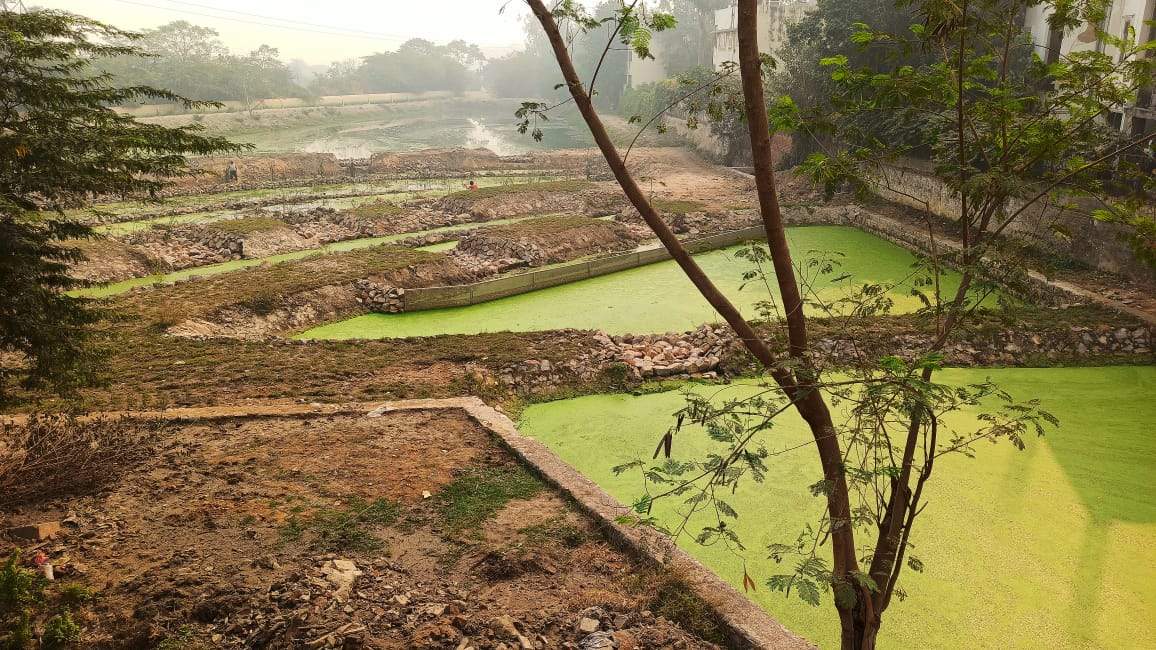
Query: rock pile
x=693 y=354
x=380 y=299
x=712 y=352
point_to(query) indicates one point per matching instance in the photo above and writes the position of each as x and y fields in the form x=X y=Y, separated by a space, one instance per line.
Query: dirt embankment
x=574 y=197
x=256 y=169
x=260 y=311
x=106 y=260
x=413 y=530
x=544 y=241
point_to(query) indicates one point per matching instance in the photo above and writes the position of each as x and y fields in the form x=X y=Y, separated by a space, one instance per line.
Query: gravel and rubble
x=712 y=352
x=224 y=537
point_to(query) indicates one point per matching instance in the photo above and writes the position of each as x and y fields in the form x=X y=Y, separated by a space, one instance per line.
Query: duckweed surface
x=1051 y=547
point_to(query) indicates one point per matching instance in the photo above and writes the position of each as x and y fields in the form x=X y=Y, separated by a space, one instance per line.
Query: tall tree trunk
x=809 y=401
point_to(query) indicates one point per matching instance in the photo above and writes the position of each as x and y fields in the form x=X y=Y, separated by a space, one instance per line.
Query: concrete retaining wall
x=472 y=294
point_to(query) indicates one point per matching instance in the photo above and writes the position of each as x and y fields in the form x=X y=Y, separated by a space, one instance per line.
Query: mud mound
x=262 y=303
x=575 y=197
x=109 y=259
x=266 y=168
x=434 y=162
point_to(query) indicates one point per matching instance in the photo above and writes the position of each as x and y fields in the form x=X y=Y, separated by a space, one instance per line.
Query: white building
x=1122 y=16
x=641 y=71
x=773 y=19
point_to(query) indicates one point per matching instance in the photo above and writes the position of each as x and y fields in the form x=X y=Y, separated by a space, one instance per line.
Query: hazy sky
x=319 y=31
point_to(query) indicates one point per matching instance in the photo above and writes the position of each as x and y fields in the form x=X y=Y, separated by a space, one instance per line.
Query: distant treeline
x=192 y=61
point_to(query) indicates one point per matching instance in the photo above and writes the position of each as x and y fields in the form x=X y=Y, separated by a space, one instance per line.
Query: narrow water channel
x=654 y=298
x=114 y=288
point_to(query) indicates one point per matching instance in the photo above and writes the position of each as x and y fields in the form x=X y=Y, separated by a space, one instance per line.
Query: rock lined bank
x=711 y=351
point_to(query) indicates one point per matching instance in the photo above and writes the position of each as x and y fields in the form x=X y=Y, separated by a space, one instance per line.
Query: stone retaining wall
x=1099 y=245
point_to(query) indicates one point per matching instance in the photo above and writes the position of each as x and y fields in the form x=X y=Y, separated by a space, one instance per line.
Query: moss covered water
x=653 y=298
x=1051 y=547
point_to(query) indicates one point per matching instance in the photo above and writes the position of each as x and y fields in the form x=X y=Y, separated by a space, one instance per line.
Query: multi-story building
x=773 y=19
x=1122 y=16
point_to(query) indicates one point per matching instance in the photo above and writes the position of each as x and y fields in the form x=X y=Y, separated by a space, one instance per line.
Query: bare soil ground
x=414 y=530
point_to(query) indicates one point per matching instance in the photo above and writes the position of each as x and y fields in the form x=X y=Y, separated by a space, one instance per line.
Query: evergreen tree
x=60 y=145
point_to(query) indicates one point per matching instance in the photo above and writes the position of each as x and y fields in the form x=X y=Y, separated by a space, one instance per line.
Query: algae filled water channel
x=1050 y=547
x=658 y=297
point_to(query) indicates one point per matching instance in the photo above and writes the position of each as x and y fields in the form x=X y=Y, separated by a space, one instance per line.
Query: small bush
x=670 y=597
x=51 y=456
x=60 y=632
x=616 y=375
x=24 y=604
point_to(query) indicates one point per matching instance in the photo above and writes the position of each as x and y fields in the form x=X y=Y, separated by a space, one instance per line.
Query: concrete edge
x=746 y=624
x=460 y=295
x=209 y=413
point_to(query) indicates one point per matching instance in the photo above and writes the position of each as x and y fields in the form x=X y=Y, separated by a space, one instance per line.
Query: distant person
x=472 y=185
x=231 y=172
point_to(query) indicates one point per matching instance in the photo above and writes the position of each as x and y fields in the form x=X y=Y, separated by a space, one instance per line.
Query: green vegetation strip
x=654 y=298
x=1049 y=548
x=521 y=188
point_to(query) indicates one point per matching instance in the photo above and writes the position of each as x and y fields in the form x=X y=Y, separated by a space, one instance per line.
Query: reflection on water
x=482 y=136
x=344 y=149
x=495 y=130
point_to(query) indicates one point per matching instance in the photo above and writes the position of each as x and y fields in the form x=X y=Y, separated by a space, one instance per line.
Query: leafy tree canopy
x=192 y=61
x=417 y=65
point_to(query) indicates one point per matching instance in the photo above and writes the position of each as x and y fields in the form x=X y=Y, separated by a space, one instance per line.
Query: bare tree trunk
x=809 y=401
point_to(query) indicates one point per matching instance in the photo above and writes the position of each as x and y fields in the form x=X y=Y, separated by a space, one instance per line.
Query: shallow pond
x=653 y=298
x=1051 y=547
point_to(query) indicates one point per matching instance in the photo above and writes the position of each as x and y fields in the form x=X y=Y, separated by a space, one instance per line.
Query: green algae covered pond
x=653 y=298
x=1051 y=547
